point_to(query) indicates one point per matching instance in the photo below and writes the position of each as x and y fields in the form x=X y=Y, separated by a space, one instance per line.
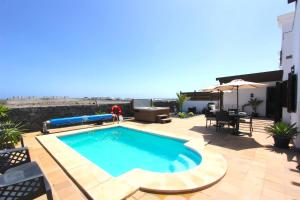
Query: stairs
x=163 y=119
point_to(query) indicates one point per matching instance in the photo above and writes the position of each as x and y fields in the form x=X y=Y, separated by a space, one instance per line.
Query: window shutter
x=284 y=93
x=292 y=93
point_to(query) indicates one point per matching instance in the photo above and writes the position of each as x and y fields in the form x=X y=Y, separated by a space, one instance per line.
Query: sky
x=133 y=48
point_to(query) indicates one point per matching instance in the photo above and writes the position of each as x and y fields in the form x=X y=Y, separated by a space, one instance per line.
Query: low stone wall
x=33 y=117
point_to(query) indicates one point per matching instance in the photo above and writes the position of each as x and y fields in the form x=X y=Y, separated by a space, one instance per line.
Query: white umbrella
x=236 y=85
x=212 y=89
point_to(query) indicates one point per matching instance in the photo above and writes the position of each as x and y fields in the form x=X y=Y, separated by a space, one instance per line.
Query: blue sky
x=133 y=48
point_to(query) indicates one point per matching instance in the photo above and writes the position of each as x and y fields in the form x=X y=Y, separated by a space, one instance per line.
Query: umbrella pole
x=237 y=98
x=219 y=100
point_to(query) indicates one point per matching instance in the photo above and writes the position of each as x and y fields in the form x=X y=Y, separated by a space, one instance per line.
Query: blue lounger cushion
x=80 y=119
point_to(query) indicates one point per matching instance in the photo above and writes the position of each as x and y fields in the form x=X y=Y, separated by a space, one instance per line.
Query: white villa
x=290 y=64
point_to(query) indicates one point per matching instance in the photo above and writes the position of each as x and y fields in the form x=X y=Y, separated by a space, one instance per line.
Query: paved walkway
x=256 y=170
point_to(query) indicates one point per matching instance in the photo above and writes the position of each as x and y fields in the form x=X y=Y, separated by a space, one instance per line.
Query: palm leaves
x=10 y=133
x=254 y=103
x=281 y=129
x=3 y=111
x=181 y=98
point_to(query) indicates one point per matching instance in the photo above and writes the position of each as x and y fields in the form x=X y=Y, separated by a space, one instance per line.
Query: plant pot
x=7 y=146
x=282 y=142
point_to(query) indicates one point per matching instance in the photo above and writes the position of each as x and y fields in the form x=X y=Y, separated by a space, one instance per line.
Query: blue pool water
x=119 y=149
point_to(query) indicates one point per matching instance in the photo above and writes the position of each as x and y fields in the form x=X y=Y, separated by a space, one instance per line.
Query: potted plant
x=282 y=133
x=254 y=103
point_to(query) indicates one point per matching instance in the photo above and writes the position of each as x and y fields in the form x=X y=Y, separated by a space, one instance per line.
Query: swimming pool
x=119 y=149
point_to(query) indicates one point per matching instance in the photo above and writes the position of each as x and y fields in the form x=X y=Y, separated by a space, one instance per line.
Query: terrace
x=99 y=151
x=256 y=170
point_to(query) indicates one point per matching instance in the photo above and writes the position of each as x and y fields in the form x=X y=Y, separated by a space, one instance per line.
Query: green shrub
x=182 y=115
x=99 y=112
x=10 y=134
x=191 y=114
x=3 y=111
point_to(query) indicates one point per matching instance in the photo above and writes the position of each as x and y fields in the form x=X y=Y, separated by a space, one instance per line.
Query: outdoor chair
x=210 y=116
x=13 y=157
x=222 y=119
x=247 y=120
x=24 y=182
x=232 y=111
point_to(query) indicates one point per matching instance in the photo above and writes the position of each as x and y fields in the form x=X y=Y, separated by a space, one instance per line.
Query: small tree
x=181 y=98
x=254 y=103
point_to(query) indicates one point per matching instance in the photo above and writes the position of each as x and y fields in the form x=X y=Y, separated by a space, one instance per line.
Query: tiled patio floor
x=255 y=169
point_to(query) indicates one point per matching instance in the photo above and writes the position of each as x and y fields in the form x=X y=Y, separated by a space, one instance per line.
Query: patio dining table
x=236 y=119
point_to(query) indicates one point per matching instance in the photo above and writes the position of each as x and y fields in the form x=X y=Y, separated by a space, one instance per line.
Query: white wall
x=286 y=24
x=198 y=104
x=296 y=60
x=290 y=25
x=229 y=99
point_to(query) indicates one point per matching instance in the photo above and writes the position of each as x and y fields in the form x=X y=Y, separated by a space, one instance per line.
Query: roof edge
x=267 y=76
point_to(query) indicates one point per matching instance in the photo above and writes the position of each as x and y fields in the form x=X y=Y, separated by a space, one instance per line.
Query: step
x=166 y=120
x=162 y=116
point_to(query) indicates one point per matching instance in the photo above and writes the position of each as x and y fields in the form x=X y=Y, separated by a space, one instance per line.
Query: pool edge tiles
x=98 y=184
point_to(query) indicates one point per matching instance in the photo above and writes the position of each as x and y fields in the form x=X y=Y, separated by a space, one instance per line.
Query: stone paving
x=256 y=170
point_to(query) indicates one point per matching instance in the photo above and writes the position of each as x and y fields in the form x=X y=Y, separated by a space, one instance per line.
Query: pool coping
x=98 y=184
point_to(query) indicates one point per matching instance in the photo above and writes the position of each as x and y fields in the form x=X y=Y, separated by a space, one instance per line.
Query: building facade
x=266 y=94
x=290 y=63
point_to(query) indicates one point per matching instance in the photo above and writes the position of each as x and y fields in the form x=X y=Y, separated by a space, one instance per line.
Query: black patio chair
x=233 y=111
x=24 y=182
x=13 y=157
x=209 y=116
x=247 y=120
x=222 y=119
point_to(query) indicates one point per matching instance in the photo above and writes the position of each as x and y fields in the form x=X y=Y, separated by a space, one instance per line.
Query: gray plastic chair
x=24 y=182
x=247 y=120
x=13 y=157
x=20 y=178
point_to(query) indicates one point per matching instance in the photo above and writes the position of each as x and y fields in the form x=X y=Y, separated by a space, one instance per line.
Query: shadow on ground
x=224 y=138
x=292 y=155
